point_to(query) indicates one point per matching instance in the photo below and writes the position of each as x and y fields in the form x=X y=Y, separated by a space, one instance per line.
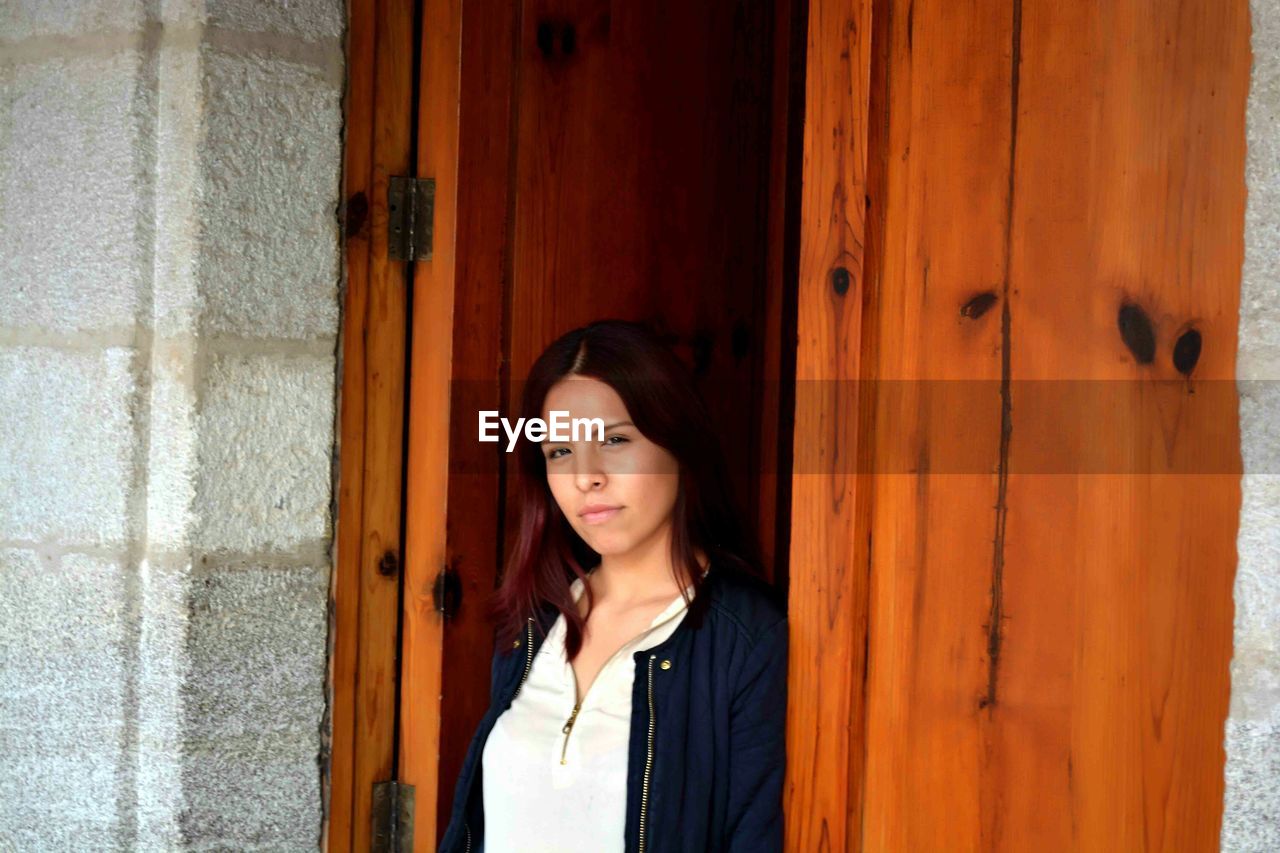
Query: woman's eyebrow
x=618 y=424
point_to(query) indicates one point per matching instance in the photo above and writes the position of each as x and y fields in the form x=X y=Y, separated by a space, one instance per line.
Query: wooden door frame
x=388 y=724
x=365 y=590
x=836 y=324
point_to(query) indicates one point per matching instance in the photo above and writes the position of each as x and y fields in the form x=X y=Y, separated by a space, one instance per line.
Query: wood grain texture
x=1129 y=609
x=828 y=576
x=642 y=190
x=486 y=109
x=364 y=600
x=427 y=467
x=1049 y=637
x=940 y=202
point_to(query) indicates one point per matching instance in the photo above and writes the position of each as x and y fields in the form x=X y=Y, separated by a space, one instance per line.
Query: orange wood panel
x=365 y=600
x=1114 y=681
x=827 y=591
x=344 y=595
x=1054 y=516
x=429 y=423
x=940 y=181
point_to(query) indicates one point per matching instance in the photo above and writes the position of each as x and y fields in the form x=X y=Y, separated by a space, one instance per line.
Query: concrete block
x=72 y=179
x=312 y=20
x=1255 y=662
x=255 y=702
x=1259 y=412
x=265 y=450
x=64 y=649
x=1252 y=799
x=256 y=643
x=24 y=19
x=66 y=445
x=271 y=157
x=1259 y=295
x=175 y=297
x=253 y=796
x=1249 y=822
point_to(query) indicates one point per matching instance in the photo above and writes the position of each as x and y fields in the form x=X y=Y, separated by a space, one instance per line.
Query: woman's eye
x=621 y=439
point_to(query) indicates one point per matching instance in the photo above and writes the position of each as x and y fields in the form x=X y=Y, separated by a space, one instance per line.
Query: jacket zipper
x=528 y=656
x=528 y=664
x=648 y=758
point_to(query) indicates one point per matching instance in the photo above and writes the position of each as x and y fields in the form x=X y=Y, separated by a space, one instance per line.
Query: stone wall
x=169 y=310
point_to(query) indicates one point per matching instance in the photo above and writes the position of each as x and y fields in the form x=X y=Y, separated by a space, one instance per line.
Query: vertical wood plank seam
x=994 y=638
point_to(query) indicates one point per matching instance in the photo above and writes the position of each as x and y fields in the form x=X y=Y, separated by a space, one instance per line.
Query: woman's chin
x=609 y=546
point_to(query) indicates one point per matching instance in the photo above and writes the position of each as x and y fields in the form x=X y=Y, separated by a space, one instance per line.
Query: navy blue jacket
x=707 y=754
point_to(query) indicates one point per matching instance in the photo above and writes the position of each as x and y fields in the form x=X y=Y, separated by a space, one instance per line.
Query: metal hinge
x=446 y=592
x=410 y=212
x=392 y=817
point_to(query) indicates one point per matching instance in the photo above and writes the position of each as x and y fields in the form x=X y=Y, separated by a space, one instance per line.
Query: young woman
x=638 y=694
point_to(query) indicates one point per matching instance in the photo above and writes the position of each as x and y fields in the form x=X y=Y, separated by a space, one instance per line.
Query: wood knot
x=1137 y=333
x=978 y=305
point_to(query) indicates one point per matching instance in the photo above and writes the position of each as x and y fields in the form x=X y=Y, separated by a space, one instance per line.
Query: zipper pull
x=569 y=723
x=568 y=727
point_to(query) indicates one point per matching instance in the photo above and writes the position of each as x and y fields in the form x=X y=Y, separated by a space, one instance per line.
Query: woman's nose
x=589 y=474
x=588 y=481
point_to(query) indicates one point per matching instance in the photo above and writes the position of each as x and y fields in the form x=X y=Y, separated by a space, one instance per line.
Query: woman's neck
x=636 y=580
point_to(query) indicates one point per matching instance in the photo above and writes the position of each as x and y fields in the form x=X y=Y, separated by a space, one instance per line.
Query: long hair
x=658 y=391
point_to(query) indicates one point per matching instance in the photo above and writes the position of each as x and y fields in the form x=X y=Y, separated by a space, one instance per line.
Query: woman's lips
x=600 y=517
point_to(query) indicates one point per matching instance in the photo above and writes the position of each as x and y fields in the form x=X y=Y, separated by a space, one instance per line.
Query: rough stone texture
x=264 y=453
x=24 y=20
x=1251 y=807
x=274 y=133
x=169 y=179
x=69 y=212
x=311 y=21
x=63 y=629
x=254 y=697
x=65 y=445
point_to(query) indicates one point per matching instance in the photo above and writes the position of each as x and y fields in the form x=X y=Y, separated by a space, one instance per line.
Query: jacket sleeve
x=453 y=834
x=757 y=747
x=493 y=674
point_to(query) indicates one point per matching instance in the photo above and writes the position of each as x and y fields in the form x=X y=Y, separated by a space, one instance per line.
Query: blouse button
x=516 y=644
x=666 y=664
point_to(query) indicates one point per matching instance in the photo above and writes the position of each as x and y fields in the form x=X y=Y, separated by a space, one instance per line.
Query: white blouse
x=548 y=790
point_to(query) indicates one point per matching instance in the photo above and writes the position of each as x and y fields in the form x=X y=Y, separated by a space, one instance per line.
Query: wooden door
x=592 y=159
x=1006 y=520
x=1021 y=244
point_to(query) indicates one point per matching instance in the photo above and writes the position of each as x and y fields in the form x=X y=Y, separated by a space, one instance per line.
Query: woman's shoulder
x=746 y=602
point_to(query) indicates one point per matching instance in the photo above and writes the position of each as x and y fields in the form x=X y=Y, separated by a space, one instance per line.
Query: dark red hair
x=658 y=391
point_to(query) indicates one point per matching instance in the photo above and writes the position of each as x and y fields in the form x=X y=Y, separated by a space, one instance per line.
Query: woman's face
x=624 y=470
